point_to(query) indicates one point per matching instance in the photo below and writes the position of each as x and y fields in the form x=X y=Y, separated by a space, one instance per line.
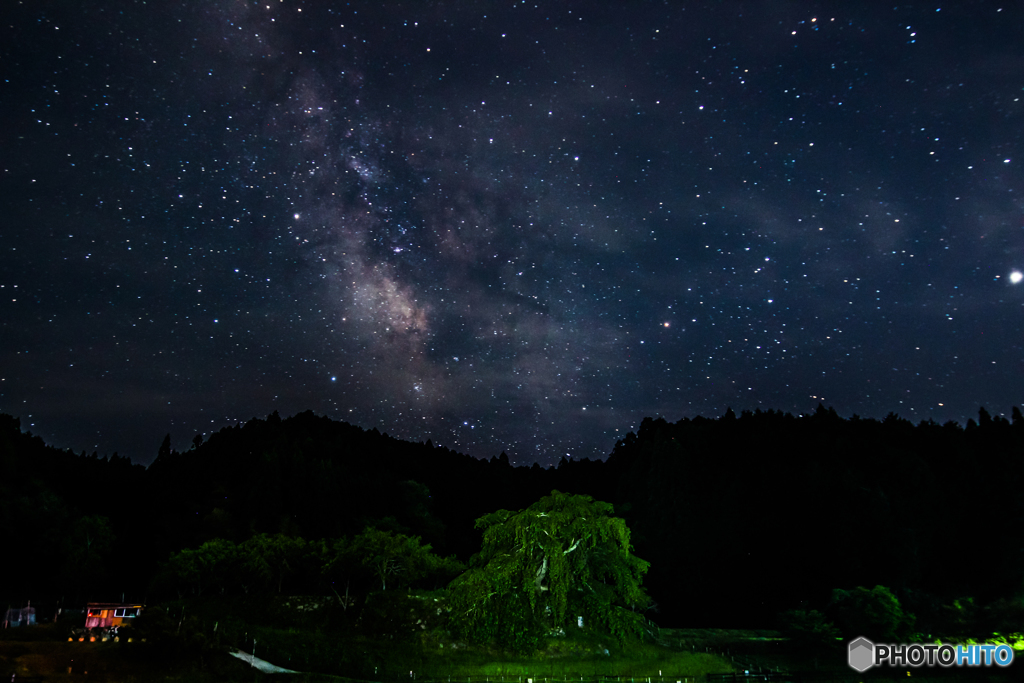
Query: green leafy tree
x=809 y=628
x=542 y=568
x=185 y=569
x=385 y=559
x=339 y=565
x=269 y=558
x=209 y=566
x=874 y=613
x=392 y=557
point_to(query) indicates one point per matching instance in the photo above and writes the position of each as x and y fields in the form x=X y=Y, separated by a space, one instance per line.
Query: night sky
x=518 y=226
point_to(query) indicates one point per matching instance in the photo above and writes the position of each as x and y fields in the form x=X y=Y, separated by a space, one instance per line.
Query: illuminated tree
x=542 y=568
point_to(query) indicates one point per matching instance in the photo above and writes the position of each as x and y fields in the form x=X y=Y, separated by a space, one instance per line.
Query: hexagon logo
x=861 y=654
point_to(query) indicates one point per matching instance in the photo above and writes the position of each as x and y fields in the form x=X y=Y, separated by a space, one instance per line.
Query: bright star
x=1016 y=276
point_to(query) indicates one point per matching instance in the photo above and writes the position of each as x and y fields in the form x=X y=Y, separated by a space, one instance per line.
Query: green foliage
x=961 y=617
x=383 y=558
x=339 y=564
x=389 y=555
x=874 y=613
x=809 y=628
x=211 y=565
x=272 y=557
x=262 y=561
x=441 y=570
x=541 y=568
x=397 y=559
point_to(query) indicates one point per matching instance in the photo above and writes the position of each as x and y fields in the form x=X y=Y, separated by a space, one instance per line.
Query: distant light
x=1016 y=276
x=1006 y=161
x=296 y=216
x=334 y=379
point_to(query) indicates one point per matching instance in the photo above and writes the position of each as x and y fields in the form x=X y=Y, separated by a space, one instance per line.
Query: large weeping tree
x=543 y=568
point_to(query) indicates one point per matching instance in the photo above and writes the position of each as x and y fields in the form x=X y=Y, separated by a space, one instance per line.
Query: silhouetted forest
x=741 y=517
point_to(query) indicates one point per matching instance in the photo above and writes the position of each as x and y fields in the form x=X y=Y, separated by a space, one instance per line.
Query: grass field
x=402 y=639
x=138 y=662
x=193 y=640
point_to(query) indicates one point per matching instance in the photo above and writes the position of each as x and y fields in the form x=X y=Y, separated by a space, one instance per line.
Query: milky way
x=510 y=226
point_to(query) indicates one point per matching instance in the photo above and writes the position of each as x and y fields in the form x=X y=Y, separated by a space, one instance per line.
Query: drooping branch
x=585 y=568
x=486 y=598
x=541 y=573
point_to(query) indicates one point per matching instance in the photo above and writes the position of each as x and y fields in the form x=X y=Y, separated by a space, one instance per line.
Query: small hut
x=20 y=616
x=106 y=614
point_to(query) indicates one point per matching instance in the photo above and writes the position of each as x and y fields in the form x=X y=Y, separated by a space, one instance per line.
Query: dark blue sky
x=514 y=226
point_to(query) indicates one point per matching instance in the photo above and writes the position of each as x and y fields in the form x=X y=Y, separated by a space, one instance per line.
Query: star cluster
x=516 y=226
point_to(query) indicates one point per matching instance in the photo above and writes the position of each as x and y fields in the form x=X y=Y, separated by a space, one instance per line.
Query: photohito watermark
x=863 y=654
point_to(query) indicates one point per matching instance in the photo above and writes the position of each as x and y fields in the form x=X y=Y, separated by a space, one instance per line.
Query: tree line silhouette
x=741 y=517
